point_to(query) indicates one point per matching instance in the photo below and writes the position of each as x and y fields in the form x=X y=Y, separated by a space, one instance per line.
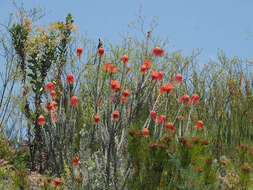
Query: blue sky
x=188 y=24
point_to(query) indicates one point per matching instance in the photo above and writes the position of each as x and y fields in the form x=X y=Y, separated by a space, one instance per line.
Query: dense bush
x=129 y=116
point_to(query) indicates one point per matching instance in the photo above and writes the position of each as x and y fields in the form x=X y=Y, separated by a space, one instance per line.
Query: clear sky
x=188 y=24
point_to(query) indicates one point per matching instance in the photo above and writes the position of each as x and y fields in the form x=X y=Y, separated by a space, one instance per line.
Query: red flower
x=128 y=68
x=41 y=120
x=146 y=63
x=70 y=79
x=178 y=78
x=115 y=115
x=185 y=99
x=52 y=115
x=96 y=119
x=166 y=88
x=125 y=59
x=108 y=67
x=115 y=85
x=49 y=86
x=170 y=127
x=246 y=169
x=143 y=69
x=49 y=106
x=57 y=181
x=126 y=93
x=181 y=118
x=195 y=98
x=101 y=51
x=161 y=119
x=73 y=101
x=55 y=105
x=200 y=123
x=79 y=51
x=157 y=51
x=145 y=132
x=53 y=94
x=157 y=75
x=123 y=99
x=153 y=114
x=75 y=161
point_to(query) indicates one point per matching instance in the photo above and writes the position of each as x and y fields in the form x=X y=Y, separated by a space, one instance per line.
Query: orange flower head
x=166 y=88
x=73 y=101
x=49 y=86
x=170 y=127
x=70 y=79
x=181 y=118
x=246 y=169
x=115 y=85
x=199 y=128
x=143 y=69
x=185 y=99
x=123 y=99
x=153 y=114
x=79 y=51
x=178 y=78
x=157 y=51
x=125 y=59
x=195 y=98
x=101 y=51
x=41 y=120
x=75 y=161
x=53 y=94
x=157 y=75
x=145 y=132
x=109 y=68
x=96 y=119
x=128 y=68
x=126 y=93
x=209 y=160
x=147 y=63
x=55 y=105
x=115 y=115
x=161 y=119
x=49 y=106
x=57 y=181
x=200 y=123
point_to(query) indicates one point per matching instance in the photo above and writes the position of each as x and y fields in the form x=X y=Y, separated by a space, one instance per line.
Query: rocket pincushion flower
x=115 y=85
x=75 y=161
x=49 y=86
x=55 y=105
x=161 y=119
x=195 y=98
x=178 y=78
x=153 y=114
x=101 y=51
x=145 y=132
x=146 y=63
x=157 y=51
x=70 y=79
x=96 y=119
x=166 y=88
x=157 y=75
x=143 y=69
x=246 y=169
x=125 y=59
x=73 y=101
x=57 y=181
x=126 y=93
x=185 y=99
x=115 y=115
x=41 y=120
x=109 y=68
x=53 y=94
x=199 y=125
x=170 y=127
x=79 y=51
